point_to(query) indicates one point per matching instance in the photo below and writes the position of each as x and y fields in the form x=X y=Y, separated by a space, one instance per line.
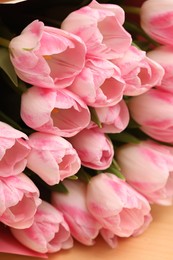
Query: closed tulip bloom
x=100 y=27
x=19 y=199
x=57 y=112
x=46 y=56
x=113 y=119
x=13 y=150
x=110 y=238
x=164 y=55
x=120 y=209
x=139 y=72
x=163 y=135
x=153 y=111
x=52 y=157
x=83 y=226
x=153 y=179
x=156 y=20
x=49 y=232
x=94 y=149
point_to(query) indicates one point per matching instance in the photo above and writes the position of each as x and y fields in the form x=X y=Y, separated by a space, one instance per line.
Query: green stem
x=22 y=86
x=115 y=165
x=94 y=117
x=131 y=9
x=4 y=42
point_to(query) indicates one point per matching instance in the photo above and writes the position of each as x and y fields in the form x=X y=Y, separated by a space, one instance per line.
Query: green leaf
x=115 y=169
x=9 y=121
x=83 y=175
x=60 y=187
x=117 y=173
x=124 y=137
x=6 y=65
x=133 y=124
x=73 y=177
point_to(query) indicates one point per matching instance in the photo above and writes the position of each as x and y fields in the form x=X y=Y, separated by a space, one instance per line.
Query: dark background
x=17 y=16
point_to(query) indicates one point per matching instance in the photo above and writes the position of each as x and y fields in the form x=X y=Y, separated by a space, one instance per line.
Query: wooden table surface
x=156 y=243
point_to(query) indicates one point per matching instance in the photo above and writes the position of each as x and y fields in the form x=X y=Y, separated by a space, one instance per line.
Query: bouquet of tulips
x=86 y=123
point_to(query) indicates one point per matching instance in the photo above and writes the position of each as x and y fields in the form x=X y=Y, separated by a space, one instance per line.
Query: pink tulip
x=101 y=81
x=113 y=119
x=153 y=179
x=163 y=135
x=94 y=148
x=49 y=232
x=46 y=56
x=164 y=56
x=83 y=226
x=120 y=209
x=139 y=72
x=13 y=150
x=110 y=238
x=156 y=20
x=19 y=199
x=52 y=157
x=153 y=111
x=58 y=112
x=10 y=245
x=100 y=27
